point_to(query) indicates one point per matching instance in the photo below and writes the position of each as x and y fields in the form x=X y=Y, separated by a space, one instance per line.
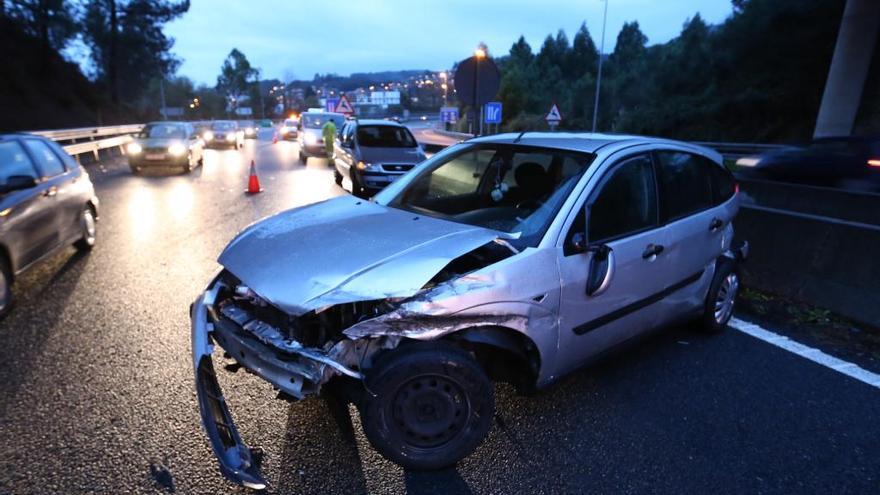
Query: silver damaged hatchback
x=517 y=258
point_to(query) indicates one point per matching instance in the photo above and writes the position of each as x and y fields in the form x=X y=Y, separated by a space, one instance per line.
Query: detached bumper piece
x=238 y=462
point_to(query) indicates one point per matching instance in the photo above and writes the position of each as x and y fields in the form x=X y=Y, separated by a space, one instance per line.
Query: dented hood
x=345 y=250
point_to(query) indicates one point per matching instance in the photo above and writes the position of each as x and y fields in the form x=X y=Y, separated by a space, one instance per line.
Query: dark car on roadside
x=224 y=134
x=166 y=144
x=47 y=202
x=844 y=162
x=373 y=154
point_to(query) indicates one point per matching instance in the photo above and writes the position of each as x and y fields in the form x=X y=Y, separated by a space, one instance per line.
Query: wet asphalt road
x=96 y=390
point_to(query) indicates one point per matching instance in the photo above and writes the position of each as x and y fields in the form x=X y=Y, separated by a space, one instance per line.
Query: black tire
x=303 y=158
x=720 y=300
x=433 y=405
x=135 y=170
x=356 y=189
x=337 y=177
x=88 y=222
x=187 y=168
x=5 y=287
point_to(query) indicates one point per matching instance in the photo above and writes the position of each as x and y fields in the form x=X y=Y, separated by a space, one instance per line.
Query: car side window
x=723 y=183
x=626 y=203
x=14 y=161
x=685 y=183
x=48 y=163
x=69 y=161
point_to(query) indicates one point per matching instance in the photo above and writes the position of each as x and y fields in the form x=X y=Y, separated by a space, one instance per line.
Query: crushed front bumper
x=238 y=462
x=298 y=372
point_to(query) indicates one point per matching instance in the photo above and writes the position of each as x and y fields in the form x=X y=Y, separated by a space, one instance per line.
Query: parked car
x=373 y=154
x=166 y=144
x=47 y=202
x=844 y=162
x=225 y=134
x=512 y=257
x=249 y=129
x=311 y=139
x=289 y=129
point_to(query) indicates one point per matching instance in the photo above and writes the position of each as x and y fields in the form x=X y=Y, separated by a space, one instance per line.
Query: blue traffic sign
x=492 y=112
x=330 y=104
x=449 y=114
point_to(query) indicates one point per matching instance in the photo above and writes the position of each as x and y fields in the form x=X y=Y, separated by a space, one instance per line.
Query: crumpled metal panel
x=345 y=250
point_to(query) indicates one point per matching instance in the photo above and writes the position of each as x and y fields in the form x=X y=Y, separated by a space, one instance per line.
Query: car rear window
x=14 y=161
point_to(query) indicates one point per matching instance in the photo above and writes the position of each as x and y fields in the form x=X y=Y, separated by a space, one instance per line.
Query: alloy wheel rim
x=726 y=298
x=429 y=410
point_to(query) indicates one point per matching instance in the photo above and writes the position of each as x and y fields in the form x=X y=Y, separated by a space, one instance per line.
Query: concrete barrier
x=830 y=263
x=852 y=206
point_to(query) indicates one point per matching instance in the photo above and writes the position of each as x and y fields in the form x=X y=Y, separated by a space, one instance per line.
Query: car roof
x=587 y=142
x=167 y=122
x=389 y=123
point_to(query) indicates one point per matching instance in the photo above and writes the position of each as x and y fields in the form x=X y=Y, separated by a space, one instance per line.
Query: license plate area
x=155 y=156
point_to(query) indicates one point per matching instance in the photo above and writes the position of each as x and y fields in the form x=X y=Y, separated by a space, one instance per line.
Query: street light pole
x=479 y=54
x=599 y=74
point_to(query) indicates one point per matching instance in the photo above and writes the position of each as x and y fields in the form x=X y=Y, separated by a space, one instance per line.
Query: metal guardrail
x=85 y=139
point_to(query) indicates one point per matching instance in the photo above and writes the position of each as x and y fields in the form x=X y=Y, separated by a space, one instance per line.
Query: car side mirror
x=17 y=183
x=601 y=269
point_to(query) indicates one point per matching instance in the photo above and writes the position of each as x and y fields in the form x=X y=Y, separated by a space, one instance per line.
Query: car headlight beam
x=208 y=136
x=134 y=148
x=177 y=149
x=230 y=137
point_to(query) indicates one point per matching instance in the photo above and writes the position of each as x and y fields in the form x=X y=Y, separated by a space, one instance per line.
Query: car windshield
x=246 y=123
x=162 y=131
x=223 y=126
x=317 y=120
x=385 y=136
x=511 y=188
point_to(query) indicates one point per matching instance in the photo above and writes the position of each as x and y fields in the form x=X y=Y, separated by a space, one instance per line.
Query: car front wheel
x=431 y=405
x=87 y=222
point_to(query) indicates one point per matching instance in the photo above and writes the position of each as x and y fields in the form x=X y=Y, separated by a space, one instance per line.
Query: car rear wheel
x=5 y=287
x=87 y=222
x=432 y=405
x=337 y=177
x=721 y=298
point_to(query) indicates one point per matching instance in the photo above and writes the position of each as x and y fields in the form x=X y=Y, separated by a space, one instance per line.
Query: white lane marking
x=815 y=355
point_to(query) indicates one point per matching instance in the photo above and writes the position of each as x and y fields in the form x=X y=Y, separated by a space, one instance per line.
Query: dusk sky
x=294 y=39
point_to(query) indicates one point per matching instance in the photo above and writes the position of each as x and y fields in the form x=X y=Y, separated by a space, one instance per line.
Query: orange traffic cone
x=275 y=138
x=253 y=181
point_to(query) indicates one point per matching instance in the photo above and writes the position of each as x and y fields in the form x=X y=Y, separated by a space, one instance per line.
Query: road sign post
x=344 y=107
x=553 y=117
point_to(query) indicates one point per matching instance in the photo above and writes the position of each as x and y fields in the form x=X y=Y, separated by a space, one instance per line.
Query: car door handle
x=715 y=224
x=52 y=191
x=652 y=250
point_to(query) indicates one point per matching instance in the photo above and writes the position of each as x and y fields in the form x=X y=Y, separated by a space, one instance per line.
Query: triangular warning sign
x=553 y=116
x=344 y=106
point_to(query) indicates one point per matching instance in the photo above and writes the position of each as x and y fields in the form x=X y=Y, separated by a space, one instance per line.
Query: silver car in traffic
x=516 y=257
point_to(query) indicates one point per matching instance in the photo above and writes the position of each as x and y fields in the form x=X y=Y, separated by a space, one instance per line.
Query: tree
x=235 y=76
x=630 y=44
x=51 y=21
x=130 y=50
x=583 y=57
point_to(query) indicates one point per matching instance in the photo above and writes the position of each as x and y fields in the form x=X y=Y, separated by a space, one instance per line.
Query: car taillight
x=874 y=162
x=736 y=188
